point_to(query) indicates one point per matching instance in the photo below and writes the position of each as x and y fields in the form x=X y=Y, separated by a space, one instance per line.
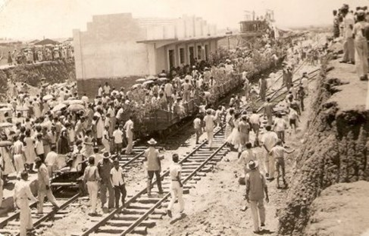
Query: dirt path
x=214 y=207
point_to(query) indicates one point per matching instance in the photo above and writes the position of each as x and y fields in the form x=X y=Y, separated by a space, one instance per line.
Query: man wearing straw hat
x=256 y=190
x=153 y=158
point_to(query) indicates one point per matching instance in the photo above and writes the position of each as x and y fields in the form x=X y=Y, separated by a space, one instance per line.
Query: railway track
x=140 y=212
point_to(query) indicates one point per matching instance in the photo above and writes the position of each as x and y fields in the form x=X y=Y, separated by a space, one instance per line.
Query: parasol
x=48 y=97
x=74 y=101
x=140 y=80
x=5 y=109
x=150 y=77
x=163 y=79
x=59 y=107
x=162 y=75
x=136 y=85
x=6 y=125
x=148 y=82
x=76 y=107
x=5 y=143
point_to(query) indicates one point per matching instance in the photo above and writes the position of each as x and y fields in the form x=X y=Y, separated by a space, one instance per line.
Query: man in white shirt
x=22 y=195
x=118 y=140
x=348 y=40
x=168 y=89
x=209 y=126
x=51 y=161
x=18 y=148
x=100 y=91
x=255 y=125
x=106 y=89
x=280 y=126
x=269 y=140
x=128 y=127
x=117 y=180
x=118 y=117
x=247 y=156
x=176 y=188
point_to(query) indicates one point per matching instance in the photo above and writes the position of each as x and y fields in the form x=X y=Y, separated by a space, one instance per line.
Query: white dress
x=234 y=137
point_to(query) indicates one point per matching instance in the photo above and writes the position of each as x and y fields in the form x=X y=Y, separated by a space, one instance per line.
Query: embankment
x=335 y=146
x=51 y=72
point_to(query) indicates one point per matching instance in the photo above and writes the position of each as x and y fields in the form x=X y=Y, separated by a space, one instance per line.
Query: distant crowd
x=38 y=54
x=353 y=28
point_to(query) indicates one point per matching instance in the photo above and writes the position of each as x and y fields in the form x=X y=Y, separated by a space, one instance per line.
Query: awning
x=164 y=42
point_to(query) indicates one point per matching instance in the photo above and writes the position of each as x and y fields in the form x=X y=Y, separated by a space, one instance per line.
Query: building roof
x=164 y=42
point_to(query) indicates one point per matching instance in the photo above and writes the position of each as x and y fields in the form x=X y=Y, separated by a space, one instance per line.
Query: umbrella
x=163 y=79
x=6 y=125
x=47 y=97
x=150 y=77
x=136 y=85
x=162 y=75
x=141 y=80
x=22 y=108
x=5 y=143
x=74 y=101
x=4 y=105
x=5 y=109
x=148 y=82
x=59 y=107
x=76 y=107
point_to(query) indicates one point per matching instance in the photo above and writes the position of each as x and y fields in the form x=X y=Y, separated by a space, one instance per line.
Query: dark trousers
x=157 y=176
x=121 y=189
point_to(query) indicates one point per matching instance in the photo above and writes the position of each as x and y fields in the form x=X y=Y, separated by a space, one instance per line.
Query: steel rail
x=156 y=205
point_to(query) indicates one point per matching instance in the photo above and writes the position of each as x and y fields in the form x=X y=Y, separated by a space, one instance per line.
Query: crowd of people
x=36 y=54
x=57 y=130
x=352 y=27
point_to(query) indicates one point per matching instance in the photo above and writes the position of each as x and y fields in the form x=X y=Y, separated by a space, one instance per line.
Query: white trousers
x=25 y=216
x=18 y=163
x=92 y=188
x=257 y=211
x=176 y=192
x=269 y=165
x=130 y=144
x=106 y=144
x=210 y=137
x=41 y=197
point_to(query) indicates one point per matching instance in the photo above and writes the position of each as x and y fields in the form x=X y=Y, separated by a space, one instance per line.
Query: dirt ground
x=213 y=207
x=336 y=203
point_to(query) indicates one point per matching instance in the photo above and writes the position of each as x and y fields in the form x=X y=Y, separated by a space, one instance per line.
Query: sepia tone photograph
x=184 y=117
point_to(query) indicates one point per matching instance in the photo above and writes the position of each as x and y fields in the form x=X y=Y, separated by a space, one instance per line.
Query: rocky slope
x=335 y=149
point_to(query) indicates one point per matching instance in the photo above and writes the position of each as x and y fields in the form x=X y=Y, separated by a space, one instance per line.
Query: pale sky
x=30 y=19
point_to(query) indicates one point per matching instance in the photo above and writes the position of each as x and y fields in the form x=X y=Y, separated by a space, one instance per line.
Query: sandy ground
x=212 y=208
x=336 y=203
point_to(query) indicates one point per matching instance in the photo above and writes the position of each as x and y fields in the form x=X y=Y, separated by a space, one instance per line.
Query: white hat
x=252 y=165
x=152 y=142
